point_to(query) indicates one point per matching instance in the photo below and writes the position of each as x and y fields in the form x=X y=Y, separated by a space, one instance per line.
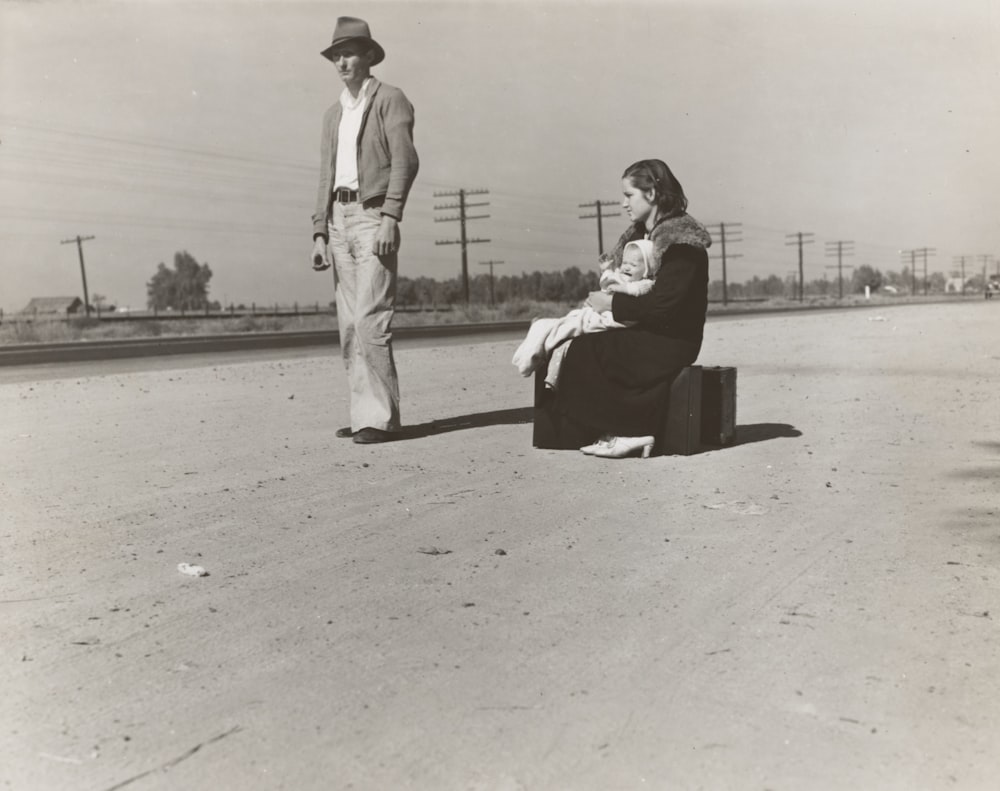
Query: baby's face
x=633 y=266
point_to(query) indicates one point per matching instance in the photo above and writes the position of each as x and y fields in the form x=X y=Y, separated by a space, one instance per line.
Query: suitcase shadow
x=745 y=434
x=748 y=433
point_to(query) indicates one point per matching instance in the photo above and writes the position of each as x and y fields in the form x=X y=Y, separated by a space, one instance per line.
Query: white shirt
x=352 y=111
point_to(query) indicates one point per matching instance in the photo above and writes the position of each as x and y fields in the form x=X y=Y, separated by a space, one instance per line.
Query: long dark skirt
x=611 y=383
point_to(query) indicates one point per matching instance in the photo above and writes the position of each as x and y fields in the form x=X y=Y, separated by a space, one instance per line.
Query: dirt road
x=814 y=608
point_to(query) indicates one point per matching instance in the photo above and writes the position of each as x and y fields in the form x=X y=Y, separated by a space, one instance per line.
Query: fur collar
x=683 y=229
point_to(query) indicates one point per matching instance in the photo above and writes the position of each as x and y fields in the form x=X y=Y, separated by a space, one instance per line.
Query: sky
x=157 y=127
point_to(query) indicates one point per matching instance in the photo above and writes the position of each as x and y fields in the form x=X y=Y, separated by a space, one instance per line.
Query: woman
x=614 y=386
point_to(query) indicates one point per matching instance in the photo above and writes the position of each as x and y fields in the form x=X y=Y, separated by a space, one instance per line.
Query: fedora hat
x=351 y=28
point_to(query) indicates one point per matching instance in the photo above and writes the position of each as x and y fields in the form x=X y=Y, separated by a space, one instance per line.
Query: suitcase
x=702 y=411
x=718 y=406
x=681 y=430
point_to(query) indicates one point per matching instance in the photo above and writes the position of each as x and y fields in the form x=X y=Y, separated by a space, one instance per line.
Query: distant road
x=80 y=351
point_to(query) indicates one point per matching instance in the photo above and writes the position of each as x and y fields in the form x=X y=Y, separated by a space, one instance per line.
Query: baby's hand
x=614 y=288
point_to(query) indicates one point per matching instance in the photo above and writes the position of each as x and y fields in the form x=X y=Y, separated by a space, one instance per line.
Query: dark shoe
x=369 y=436
x=344 y=433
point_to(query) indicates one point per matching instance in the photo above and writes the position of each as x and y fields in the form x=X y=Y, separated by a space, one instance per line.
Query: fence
x=232 y=312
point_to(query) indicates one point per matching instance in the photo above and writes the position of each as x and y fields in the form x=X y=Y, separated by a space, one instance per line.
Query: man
x=367 y=166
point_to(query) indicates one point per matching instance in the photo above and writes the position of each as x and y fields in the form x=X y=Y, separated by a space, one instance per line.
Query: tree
x=425 y=290
x=899 y=280
x=448 y=292
x=866 y=275
x=479 y=288
x=773 y=286
x=185 y=287
x=820 y=287
x=406 y=292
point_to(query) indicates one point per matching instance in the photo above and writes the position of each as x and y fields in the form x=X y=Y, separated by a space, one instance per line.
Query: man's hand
x=599 y=301
x=321 y=255
x=387 y=237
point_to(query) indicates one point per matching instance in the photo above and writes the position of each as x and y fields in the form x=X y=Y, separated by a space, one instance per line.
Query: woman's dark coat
x=618 y=382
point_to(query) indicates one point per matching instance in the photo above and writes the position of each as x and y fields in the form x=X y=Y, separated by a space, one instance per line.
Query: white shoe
x=620 y=447
x=592 y=448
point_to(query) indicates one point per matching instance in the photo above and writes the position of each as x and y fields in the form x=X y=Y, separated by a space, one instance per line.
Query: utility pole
x=960 y=260
x=913 y=269
x=462 y=218
x=793 y=277
x=985 y=260
x=800 y=239
x=78 y=241
x=491 y=264
x=840 y=249
x=924 y=252
x=600 y=225
x=724 y=230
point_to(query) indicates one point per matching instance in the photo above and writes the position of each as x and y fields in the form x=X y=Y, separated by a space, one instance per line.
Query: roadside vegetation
x=21 y=330
x=178 y=303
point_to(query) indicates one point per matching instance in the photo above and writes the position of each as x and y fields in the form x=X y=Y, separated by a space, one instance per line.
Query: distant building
x=955 y=285
x=52 y=307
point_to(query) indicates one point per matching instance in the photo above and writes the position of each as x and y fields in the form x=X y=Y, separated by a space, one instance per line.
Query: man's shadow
x=498 y=417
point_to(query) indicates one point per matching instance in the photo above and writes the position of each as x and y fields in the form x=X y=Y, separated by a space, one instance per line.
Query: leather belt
x=342 y=195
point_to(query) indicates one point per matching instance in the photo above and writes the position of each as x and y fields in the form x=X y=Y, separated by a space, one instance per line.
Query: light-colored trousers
x=366 y=296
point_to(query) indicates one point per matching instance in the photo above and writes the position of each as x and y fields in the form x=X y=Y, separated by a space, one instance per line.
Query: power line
x=913 y=269
x=723 y=239
x=986 y=259
x=921 y=251
x=114 y=219
x=153 y=143
x=256 y=197
x=600 y=225
x=462 y=218
x=840 y=248
x=960 y=260
x=183 y=171
x=491 y=264
x=801 y=239
x=117 y=165
x=924 y=252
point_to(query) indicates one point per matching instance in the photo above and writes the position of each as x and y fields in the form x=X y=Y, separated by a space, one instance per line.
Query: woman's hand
x=599 y=301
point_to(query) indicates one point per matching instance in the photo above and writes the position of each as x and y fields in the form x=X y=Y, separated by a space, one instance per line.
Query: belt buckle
x=343 y=195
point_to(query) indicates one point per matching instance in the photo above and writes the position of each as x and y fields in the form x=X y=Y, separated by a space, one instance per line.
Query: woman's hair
x=653 y=174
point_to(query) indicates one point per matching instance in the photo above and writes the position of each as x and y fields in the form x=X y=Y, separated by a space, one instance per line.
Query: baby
x=635 y=274
x=548 y=336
